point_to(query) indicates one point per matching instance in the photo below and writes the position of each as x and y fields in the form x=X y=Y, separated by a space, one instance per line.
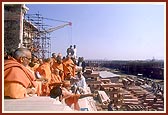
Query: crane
x=47 y=31
x=56 y=28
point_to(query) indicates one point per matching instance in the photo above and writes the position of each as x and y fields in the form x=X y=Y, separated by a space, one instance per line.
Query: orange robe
x=69 y=67
x=53 y=60
x=71 y=98
x=17 y=78
x=45 y=71
x=60 y=68
x=55 y=78
x=35 y=66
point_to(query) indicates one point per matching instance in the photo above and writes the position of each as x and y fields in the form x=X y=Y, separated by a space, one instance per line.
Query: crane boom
x=56 y=28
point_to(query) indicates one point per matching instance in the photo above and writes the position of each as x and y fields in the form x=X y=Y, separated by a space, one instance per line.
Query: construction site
x=127 y=91
x=28 y=30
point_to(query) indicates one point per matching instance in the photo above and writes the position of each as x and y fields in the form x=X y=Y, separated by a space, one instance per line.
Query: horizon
x=125 y=60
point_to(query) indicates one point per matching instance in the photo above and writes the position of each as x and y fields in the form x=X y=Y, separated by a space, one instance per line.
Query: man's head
x=23 y=56
x=67 y=84
x=59 y=55
x=10 y=52
x=54 y=55
x=40 y=60
x=34 y=59
x=56 y=92
x=59 y=59
x=79 y=74
x=48 y=60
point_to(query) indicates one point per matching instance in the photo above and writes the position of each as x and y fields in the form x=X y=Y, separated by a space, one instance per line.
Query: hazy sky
x=107 y=31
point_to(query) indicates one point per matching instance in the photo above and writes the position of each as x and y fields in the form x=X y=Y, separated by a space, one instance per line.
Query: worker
x=81 y=64
x=75 y=52
x=81 y=83
x=19 y=82
x=70 y=51
x=111 y=105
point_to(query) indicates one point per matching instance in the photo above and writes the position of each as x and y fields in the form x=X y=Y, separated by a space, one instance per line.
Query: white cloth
x=75 y=53
x=81 y=82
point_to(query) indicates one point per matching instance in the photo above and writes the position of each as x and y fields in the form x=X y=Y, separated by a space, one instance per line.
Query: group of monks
x=25 y=75
x=55 y=71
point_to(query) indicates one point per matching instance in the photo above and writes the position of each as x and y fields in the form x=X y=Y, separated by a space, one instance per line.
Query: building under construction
x=27 y=30
x=34 y=36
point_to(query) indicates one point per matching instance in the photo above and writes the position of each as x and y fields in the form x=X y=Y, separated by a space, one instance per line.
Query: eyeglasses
x=28 y=58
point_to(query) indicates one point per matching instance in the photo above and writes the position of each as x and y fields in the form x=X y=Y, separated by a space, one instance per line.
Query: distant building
x=148 y=68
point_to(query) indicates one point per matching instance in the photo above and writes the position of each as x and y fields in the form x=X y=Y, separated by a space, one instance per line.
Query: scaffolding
x=28 y=30
x=33 y=38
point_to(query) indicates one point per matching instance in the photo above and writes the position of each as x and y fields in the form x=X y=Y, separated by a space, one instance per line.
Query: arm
x=66 y=93
x=85 y=95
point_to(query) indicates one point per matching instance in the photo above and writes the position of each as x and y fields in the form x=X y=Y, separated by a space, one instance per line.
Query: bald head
x=59 y=55
x=23 y=56
x=54 y=55
x=21 y=52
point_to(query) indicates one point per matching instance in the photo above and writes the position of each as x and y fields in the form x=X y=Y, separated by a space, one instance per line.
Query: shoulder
x=83 y=77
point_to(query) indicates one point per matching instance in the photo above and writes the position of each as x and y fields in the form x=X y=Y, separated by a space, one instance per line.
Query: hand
x=31 y=90
x=94 y=95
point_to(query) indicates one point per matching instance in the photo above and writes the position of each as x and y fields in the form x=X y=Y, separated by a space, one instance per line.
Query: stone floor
x=34 y=104
x=45 y=104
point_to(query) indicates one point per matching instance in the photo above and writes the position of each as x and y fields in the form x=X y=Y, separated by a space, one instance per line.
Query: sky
x=107 y=31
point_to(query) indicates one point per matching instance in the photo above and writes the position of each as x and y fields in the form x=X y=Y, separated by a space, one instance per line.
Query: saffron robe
x=69 y=67
x=17 y=78
x=71 y=98
x=45 y=71
x=60 y=68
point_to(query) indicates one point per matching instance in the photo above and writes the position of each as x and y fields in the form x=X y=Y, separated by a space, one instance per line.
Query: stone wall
x=12 y=25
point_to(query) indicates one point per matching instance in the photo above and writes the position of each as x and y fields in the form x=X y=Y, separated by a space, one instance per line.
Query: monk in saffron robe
x=69 y=66
x=55 y=79
x=45 y=71
x=59 y=66
x=72 y=98
x=19 y=82
x=34 y=63
x=53 y=58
